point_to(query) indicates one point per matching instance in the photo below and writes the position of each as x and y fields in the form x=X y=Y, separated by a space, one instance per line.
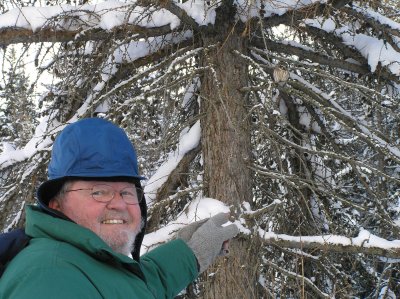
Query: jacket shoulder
x=41 y=270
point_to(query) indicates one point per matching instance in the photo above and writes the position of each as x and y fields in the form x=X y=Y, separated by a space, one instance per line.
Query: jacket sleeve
x=169 y=268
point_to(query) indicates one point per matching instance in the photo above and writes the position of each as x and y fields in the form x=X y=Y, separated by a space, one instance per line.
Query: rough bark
x=226 y=151
x=225 y=126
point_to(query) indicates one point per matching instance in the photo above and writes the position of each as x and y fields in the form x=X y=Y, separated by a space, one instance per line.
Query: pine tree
x=314 y=153
x=18 y=114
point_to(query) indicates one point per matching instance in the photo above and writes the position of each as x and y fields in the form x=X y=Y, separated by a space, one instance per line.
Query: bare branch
x=300 y=278
x=310 y=55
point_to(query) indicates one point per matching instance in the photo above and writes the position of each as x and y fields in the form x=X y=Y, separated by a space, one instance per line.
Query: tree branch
x=312 y=56
x=295 y=15
x=348 y=52
x=174 y=180
x=13 y=35
x=383 y=30
x=181 y=14
x=301 y=278
x=363 y=243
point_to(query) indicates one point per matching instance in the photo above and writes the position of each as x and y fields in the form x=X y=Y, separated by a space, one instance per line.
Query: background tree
x=18 y=117
x=285 y=111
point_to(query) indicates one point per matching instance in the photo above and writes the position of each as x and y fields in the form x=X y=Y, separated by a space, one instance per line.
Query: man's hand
x=208 y=238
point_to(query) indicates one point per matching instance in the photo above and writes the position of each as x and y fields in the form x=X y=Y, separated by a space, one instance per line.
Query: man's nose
x=117 y=202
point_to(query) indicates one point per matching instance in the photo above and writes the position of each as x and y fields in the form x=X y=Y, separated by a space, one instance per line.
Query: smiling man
x=113 y=214
x=88 y=226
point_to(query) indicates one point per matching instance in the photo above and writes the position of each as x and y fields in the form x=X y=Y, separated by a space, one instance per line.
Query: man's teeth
x=113 y=221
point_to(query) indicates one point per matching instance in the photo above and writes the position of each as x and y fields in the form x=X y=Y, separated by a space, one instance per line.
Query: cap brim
x=49 y=189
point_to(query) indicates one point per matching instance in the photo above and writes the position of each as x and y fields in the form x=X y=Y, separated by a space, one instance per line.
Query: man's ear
x=54 y=204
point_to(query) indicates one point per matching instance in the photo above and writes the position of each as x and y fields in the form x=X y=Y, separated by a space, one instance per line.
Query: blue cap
x=91 y=148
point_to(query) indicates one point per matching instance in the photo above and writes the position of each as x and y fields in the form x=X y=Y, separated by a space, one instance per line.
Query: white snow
x=199 y=11
x=188 y=141
x=373 y=49
x=110 y=14
x=378 y=17
x=250 y=9
x=105 y=15
x=198 y=209
x=40 y=141
x=364 y=239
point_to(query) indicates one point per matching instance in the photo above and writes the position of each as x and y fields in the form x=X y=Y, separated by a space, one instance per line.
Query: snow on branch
x=146 y=18
x=41 y=141
x=177 y=11
x=124 y=54
x=20 y=35
x=306 y=54
x=387 y=28
x=289 y=12
x=375 y=50
x=328 y=154
x=201 y=208
x=63 y=23
x=188 y=141
x=198 y=209
x=365 y=242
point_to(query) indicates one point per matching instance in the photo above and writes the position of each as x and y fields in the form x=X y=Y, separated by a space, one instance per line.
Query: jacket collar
x=42 y=225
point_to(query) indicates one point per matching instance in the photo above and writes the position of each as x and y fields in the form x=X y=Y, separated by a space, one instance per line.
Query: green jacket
x=65 y=260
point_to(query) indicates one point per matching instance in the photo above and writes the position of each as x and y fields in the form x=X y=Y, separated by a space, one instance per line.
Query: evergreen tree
x=18 y=113
x=299 y=120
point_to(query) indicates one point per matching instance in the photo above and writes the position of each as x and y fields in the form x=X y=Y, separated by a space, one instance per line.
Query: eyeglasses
x=105 y=193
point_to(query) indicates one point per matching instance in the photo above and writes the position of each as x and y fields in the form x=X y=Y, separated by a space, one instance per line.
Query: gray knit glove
x=206 y=238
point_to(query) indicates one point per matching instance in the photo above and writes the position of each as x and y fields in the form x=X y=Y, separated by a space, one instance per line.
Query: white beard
x=123 y=241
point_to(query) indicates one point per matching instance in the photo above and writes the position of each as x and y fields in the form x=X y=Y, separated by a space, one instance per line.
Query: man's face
x=116 y=222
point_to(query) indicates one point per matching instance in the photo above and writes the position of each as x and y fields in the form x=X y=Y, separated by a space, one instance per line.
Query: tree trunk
x=225 y=125
x=226 y=145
